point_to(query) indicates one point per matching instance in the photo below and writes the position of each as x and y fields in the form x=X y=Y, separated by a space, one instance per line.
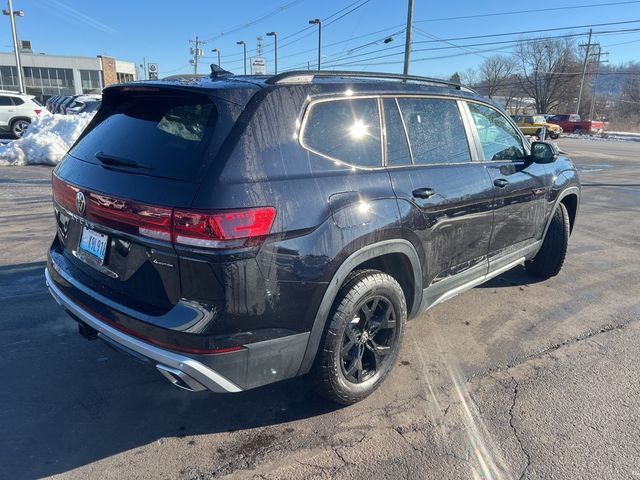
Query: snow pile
x=46 y=141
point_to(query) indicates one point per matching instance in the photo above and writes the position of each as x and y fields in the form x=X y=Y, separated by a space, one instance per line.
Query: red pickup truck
x=572 y=123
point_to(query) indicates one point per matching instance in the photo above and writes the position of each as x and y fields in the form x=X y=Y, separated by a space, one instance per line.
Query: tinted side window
x=5 y=101
x=17 y=100
x=499 y=139
x=397 y=148
x=435 y=130
x=347 y=130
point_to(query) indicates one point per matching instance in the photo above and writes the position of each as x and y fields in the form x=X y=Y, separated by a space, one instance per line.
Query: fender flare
x=566 y=192
x=369 y=252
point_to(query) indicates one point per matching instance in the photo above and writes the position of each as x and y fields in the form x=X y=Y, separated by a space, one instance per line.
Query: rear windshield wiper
x=106 y=159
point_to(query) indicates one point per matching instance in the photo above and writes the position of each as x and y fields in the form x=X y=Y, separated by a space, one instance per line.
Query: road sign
x=258 y=66
x=153 y=71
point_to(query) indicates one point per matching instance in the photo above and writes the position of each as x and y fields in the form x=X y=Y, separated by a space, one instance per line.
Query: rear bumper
x=181 y=370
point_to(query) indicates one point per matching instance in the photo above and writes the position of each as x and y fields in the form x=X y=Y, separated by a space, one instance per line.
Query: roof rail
x=305 y=76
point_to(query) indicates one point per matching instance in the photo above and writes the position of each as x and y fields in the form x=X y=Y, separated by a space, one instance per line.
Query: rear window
x=167 y=135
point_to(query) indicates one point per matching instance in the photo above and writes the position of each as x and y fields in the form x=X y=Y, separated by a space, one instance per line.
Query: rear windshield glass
x=166 y=135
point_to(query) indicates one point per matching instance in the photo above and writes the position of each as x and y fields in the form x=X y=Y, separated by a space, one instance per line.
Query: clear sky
x=353 y=31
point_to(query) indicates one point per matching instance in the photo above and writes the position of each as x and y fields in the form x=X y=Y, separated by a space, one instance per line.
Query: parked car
x=534 y=125
x=573 y=123
x=66 y=103
x=243 y=230
x=50 y=102
x=57 y=103
x=80 y=103
x=17 y=111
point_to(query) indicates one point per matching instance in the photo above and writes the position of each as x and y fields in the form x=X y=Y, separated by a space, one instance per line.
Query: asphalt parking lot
x=513 y=379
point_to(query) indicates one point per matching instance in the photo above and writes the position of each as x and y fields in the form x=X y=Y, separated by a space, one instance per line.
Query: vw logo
x=81 y=203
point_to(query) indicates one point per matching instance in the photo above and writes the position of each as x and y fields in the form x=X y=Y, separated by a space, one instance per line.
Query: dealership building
x=46 y=75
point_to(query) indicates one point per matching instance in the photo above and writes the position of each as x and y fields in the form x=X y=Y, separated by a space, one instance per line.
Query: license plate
x=93 y=243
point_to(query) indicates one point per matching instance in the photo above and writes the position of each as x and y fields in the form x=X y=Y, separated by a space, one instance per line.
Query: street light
x=244 y=48
x=275 y=39
x=217 y=50
x=12 y=14
x=317 y=21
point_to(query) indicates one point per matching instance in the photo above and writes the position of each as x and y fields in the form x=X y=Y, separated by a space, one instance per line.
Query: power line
x=256 y=20
x=515 y=42
x=517 y=12
x=311 y=30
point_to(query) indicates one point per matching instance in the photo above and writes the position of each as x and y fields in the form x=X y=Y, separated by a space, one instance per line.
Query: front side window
x=499 y=139
x=346 y=130
x=435 y=129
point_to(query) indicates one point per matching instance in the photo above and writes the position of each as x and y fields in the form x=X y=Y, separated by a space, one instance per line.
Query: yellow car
x=533 y=125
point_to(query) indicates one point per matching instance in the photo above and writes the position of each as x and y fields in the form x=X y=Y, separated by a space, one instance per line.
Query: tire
x=549 y=260
x=554 y=136
x=578 y=130
x=18 y=127
x=362 y=339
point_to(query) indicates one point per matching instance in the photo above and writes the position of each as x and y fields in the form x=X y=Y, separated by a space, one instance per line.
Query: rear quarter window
x=169 y=134
x=345 y=130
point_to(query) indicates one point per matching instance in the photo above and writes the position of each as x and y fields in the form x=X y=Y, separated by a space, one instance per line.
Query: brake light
x=37 y=110
x=228 y=229
x=64 y=193
x=222 y=229
x=133 y=217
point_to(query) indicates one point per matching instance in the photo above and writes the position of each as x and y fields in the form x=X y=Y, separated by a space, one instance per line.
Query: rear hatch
x=115 y=193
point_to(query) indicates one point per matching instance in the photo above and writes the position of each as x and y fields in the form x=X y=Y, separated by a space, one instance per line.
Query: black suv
x=239 y=230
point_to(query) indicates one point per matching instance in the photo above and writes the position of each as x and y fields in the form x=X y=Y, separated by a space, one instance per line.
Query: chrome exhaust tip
x=180 y=379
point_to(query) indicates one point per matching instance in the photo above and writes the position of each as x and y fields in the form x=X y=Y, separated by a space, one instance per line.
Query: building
x=47 y=75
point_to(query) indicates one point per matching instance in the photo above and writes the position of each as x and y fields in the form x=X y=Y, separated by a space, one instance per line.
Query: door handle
x=501 y=182
x=423 y=192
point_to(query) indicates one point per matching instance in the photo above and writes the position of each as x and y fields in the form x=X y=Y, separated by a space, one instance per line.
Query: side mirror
x=543 y=152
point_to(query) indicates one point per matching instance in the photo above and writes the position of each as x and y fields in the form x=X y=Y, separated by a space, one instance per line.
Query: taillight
x=37 y=110
x=133 y=217
x=64 y=193
x=222 y=229
x=228 y=229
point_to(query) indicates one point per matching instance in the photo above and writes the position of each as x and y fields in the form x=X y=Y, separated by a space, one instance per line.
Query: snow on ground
x=46 y=141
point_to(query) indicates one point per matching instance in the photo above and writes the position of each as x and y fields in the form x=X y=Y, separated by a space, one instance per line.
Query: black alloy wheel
x=368 y=338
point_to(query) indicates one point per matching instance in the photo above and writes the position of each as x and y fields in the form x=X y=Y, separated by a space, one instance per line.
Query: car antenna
x=218 y=72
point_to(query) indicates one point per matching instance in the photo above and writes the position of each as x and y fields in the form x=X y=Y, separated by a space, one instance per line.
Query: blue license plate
x=93 y=243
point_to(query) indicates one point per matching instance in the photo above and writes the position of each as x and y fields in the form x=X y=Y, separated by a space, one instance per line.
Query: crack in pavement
x=515 y=431
x=570 y=341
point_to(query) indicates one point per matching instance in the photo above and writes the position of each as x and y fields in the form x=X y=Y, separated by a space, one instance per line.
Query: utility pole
x=595 y=83
x=196 y=51
x=407 y=41
x=12 y=14
x=588 y=46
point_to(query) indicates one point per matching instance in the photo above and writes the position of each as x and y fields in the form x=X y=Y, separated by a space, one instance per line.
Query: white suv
x=17 y=111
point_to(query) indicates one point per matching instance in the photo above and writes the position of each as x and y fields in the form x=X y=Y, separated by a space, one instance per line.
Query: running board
x=475 y=282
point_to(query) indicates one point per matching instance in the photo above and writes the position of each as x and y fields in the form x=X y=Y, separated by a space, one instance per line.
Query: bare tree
x=629 y=102
x=495 y=72
x=548 y=71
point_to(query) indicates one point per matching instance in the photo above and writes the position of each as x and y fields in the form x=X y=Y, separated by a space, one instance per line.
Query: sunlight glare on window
x=358 y=130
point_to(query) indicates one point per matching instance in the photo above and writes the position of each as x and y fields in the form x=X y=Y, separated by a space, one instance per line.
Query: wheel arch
x=570 y=198
x=395 y=257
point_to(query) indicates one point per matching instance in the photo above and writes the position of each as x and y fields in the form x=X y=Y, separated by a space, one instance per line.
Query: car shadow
x=515 y=277
x=69 y=402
